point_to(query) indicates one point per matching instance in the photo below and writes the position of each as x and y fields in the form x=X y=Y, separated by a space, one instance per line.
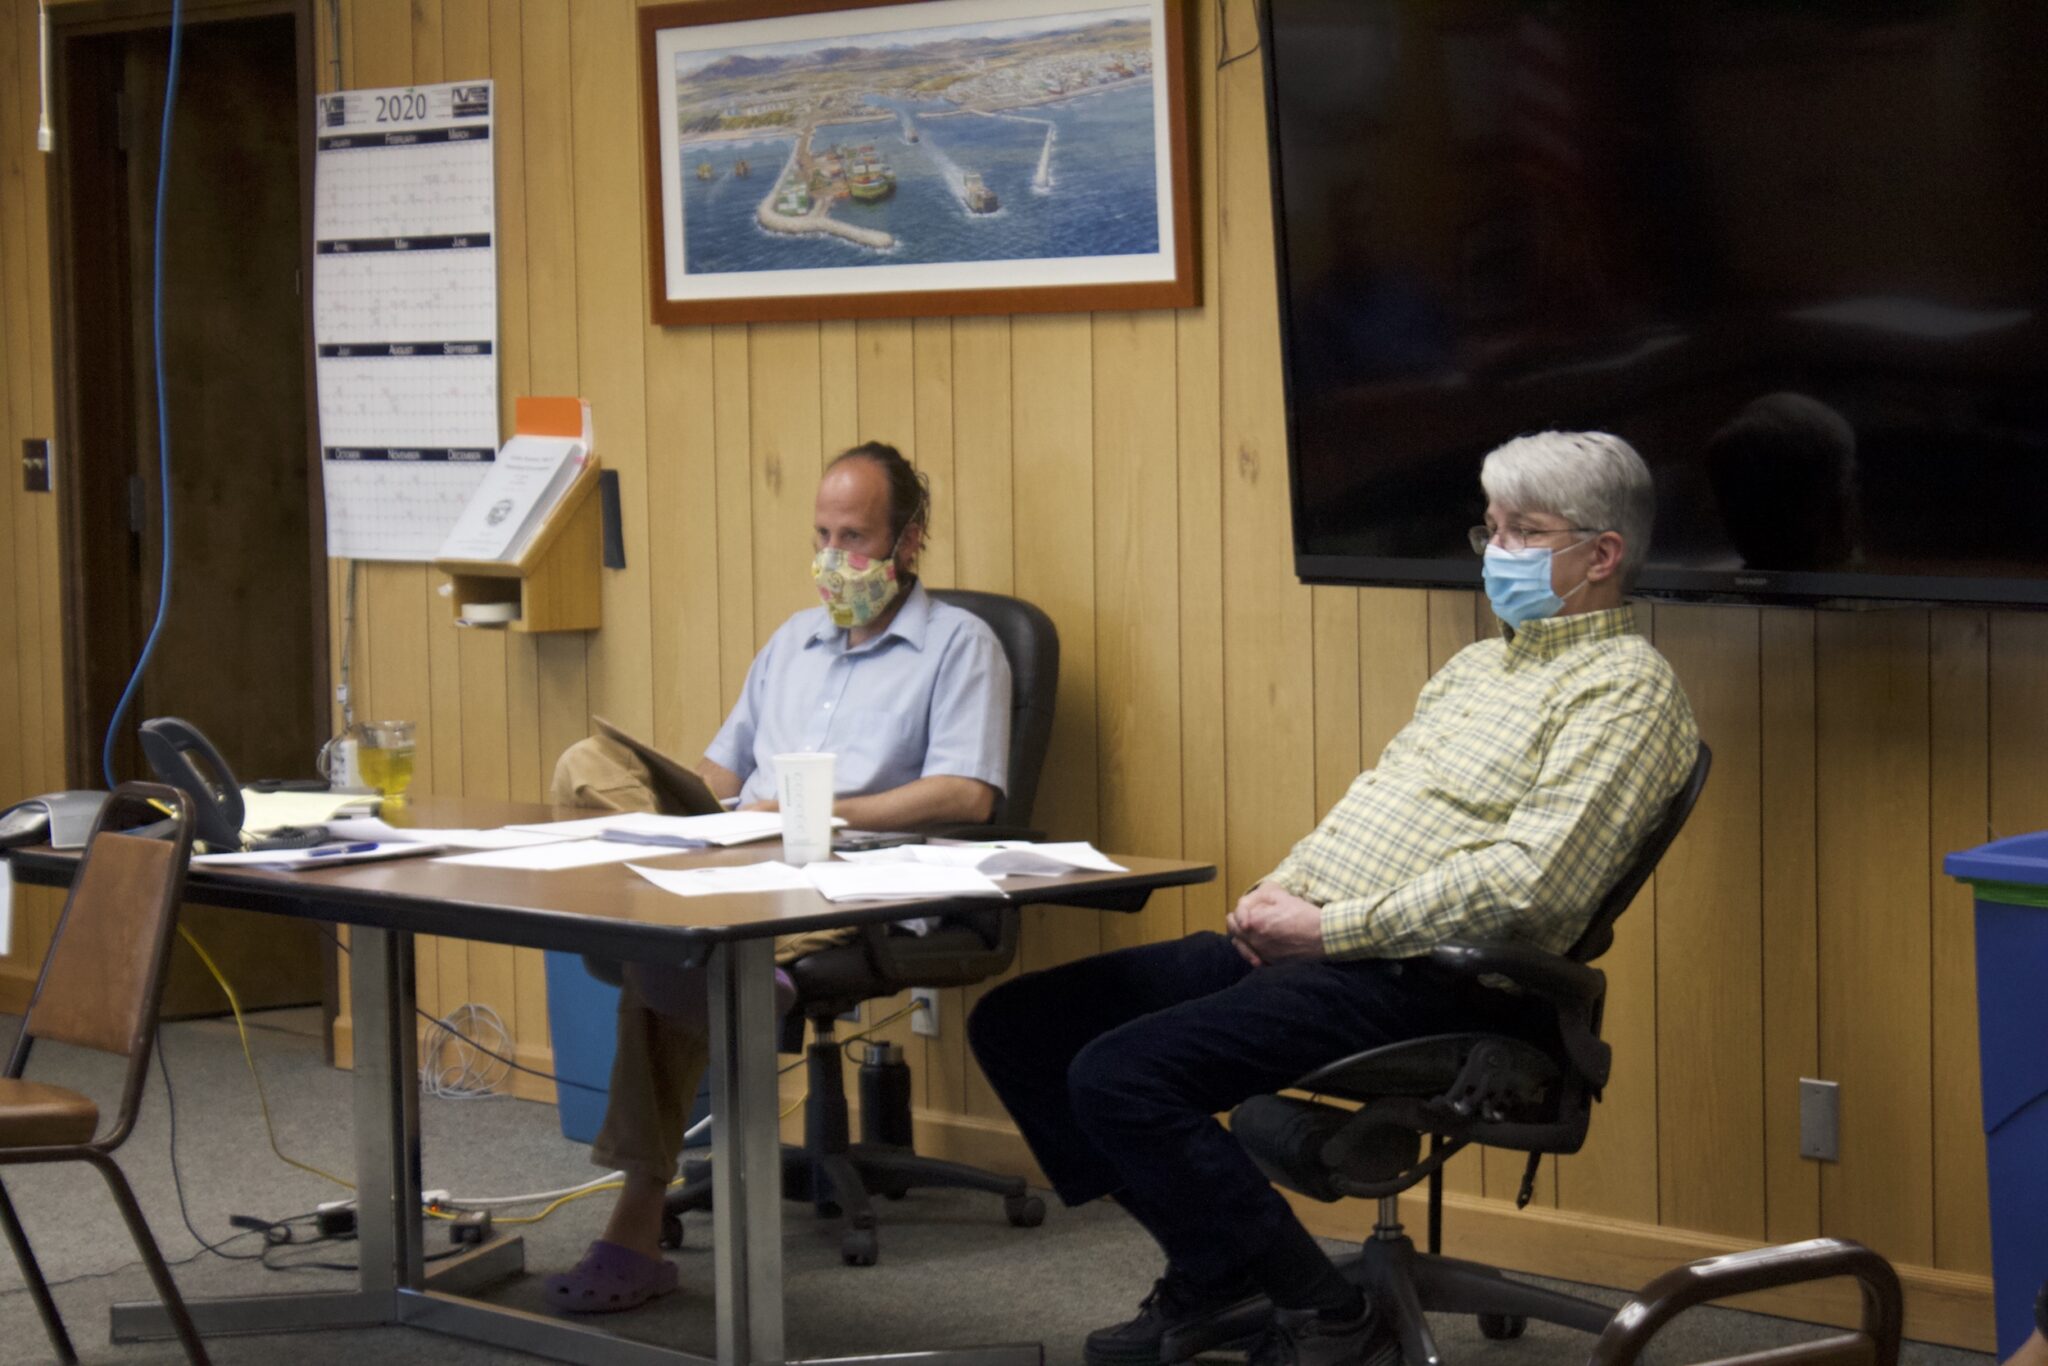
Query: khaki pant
x=660 y=1064
x=662 y=1053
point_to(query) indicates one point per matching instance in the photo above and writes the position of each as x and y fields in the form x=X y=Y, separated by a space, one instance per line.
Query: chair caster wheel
x=1502 y=1327
x=671 y=1230
x=859 y=1247
x=1024 y=1211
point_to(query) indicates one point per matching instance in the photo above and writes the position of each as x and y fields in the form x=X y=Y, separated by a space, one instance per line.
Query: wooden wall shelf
x=554 y=582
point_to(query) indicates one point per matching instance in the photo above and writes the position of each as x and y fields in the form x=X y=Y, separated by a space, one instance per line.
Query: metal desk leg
x=387 y=1171
x=746 y=1169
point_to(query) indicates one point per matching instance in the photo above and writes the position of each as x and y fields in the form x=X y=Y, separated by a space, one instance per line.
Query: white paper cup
x=803 y=789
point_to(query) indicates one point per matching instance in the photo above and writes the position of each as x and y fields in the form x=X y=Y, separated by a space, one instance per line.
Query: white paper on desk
x=265 y=811
x=723 y=881
x=1049 y=860
x=6 y=908
x=371 y=828
x=724 y=828
x=553 y=856
x=896 y=881
x=1008 y=859
x=288 y=860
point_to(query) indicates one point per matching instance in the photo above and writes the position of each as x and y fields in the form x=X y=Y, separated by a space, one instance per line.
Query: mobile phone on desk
x=860 y=841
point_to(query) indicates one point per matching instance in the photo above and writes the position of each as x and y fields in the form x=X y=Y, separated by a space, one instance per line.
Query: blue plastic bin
x=582 y=1022
x=2010 y=880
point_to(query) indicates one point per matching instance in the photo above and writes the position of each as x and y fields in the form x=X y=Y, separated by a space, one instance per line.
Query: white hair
x=1590 y=479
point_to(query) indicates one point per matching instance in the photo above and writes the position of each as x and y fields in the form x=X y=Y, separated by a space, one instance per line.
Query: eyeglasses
x=1518 y=537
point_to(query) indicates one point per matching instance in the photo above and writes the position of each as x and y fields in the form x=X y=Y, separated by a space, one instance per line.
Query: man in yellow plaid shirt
x=1534 y=766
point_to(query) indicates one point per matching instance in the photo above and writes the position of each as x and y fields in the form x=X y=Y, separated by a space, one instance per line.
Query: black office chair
x=1458 y=1089
x=830 y=1170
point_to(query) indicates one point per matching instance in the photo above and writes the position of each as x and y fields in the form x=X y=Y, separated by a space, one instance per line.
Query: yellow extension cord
x=270 y=1131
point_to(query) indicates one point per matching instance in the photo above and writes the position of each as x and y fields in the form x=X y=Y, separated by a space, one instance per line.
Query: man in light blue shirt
x=913 y=697
x=917 y=709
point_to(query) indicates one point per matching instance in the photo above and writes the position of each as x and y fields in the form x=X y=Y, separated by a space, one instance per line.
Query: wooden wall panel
x=1051 y=359
x=1198 y=364
x=1959 y=814
x=1128 y=473
x=1872 y=750
x=1137 y=640
x=611 y=339
x=737 y=639
x=1710 y=1166
x=1791 y=948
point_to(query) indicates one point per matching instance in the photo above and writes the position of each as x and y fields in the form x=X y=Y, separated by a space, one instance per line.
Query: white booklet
x=525 y=482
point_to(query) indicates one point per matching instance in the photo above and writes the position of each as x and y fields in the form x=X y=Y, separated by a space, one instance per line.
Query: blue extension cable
x=163 y=420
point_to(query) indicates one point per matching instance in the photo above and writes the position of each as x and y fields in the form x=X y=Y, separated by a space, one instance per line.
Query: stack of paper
x=551 y=856
x=1009 y=858
x=371 y=828
x=266 y=811
x=745 y=877
x=525 y=482
x=724 y=828
x=319 y=856
x=896 y=882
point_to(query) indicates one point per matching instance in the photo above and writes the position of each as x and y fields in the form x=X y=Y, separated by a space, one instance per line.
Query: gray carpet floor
x=952 y=1272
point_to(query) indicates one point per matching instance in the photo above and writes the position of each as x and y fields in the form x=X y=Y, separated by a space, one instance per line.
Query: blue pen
x=327 y=851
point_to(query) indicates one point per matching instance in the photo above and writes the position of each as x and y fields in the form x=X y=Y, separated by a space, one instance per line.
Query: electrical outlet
x=925 y=1018
x=1820 y=1120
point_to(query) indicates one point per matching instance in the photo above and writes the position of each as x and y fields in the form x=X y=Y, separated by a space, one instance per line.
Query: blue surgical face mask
x=1518 y=584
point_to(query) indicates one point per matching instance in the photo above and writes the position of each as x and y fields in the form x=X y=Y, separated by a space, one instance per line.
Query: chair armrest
x=1574 y=990
x=1555 y=978
x=892 y=955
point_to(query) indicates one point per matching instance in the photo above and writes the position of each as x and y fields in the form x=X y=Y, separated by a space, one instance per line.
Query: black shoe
x=1303 y=1337
x=1173 y=1304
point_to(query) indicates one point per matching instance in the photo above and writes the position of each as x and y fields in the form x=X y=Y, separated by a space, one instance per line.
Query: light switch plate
x=1820 y=1119
x=35 y=465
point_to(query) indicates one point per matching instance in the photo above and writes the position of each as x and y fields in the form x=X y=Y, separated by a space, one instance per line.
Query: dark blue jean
x=1115 y=1068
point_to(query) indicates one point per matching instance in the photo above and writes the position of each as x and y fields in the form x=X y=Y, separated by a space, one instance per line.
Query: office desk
x=607 y=910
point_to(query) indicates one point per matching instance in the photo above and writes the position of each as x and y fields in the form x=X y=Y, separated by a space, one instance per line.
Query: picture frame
x=814 y=159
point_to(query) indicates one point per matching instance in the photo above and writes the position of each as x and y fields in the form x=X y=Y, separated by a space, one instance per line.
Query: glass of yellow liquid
x=386 y=758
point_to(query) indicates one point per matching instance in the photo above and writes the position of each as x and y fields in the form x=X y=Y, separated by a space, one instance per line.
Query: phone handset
x=184 y=758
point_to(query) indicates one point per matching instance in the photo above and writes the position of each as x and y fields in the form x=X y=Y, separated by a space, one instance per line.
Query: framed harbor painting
x=874 y=158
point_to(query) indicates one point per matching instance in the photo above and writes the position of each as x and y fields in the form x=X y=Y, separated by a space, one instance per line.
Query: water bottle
x=884 y=1095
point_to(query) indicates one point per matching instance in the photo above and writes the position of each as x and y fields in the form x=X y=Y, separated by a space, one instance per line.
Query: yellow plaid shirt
x=1534 y=766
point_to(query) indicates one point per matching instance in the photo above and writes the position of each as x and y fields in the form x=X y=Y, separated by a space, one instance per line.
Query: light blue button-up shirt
x=930 y=696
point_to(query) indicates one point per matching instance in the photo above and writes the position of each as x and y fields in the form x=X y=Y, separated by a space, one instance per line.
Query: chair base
x=1404 y=1284
x=840 y=1177
x=842 y=1185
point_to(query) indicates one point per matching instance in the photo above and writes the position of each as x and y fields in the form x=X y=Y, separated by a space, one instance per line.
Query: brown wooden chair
x=101 y=985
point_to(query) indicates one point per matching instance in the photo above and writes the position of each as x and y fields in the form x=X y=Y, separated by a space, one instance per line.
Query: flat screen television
x=1795 y=251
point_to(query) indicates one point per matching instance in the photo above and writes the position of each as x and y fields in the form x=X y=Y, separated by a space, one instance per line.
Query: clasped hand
x=1273 y=926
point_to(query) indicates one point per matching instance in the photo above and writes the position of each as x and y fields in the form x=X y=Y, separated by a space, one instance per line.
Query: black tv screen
x=1795 y=251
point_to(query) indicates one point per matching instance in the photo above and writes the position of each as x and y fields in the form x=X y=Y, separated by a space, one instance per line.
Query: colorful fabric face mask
x=856 y=588
x=1518 y=584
